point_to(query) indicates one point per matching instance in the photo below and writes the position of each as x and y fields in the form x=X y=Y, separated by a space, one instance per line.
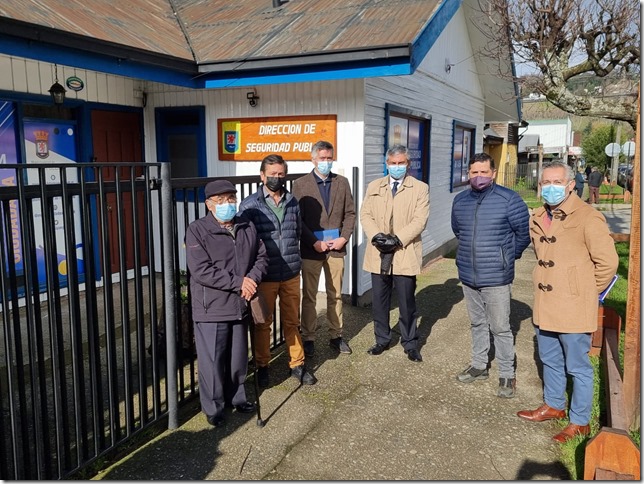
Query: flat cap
x=218 y=187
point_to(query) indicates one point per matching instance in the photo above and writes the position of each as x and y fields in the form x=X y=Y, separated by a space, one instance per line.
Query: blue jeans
x=563 y=353
x=489 y=310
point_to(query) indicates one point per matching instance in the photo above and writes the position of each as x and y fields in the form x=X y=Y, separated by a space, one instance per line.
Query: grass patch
x=573 y=452
x=611 y=190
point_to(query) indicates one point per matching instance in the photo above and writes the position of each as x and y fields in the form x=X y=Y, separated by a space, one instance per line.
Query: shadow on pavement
x=531 y=470
x=173 y=457
x=434 y=303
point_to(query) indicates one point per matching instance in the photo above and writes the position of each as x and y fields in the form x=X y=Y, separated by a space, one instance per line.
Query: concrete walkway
x=377 y=417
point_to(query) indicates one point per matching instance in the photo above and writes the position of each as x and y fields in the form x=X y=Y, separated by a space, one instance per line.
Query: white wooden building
x=450 y=89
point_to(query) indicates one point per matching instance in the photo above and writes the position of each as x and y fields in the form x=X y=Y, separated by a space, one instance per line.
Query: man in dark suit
x=328 y=217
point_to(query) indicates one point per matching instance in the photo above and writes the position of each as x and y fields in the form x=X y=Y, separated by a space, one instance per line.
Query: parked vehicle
x=625 y=177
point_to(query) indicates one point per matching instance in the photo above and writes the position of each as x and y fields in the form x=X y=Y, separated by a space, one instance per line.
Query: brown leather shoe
x=544 y=412
x=570 y=432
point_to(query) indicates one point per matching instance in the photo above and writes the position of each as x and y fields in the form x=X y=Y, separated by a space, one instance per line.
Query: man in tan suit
x=394 y=214
x=328 y=218
x=576 y=261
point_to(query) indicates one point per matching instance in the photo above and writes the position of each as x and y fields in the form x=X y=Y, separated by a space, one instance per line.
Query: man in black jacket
x=226 y=261
x=594 y=182
x=276 y=214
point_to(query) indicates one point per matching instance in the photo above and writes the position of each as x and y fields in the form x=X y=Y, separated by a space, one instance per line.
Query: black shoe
x=309 y=348
x=262 y=376
x=303 y=376
x=215 y=420
x=377 y=349
x=414 y=355
x=340 y=345
x=246 y=407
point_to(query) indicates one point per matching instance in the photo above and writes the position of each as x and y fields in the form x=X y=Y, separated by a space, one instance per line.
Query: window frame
x=460 y=160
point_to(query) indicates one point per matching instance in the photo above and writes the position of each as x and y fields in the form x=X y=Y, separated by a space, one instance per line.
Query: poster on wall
x=9 y=155
x=292 y=137
x=410 y=131
x=53 y=142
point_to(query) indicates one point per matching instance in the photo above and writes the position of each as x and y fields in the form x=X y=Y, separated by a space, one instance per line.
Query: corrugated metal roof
x=147 y=25
x=219 y=31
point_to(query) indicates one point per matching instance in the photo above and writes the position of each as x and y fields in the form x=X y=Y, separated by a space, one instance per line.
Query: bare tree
x=563 y=40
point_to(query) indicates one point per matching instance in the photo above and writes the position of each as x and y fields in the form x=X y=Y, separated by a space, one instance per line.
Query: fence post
x=354 y=242
x=168 y=282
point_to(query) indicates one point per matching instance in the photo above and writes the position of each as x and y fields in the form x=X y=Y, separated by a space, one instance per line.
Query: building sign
x=9 y=155
x=53 y=142
x=292 y=137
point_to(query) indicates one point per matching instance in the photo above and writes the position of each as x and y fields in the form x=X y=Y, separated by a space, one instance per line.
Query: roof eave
x=31 y=35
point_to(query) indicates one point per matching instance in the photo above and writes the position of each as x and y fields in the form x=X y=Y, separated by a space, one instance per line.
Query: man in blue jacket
x=491 y=225
x=226 y=261
x=276 y=214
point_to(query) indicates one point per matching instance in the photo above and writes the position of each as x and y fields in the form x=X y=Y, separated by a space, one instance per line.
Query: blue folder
x=328 y=234
x=604 y=293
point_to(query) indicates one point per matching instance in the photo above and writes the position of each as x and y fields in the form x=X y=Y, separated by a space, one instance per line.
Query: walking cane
x=260 y=422
x=257 y=310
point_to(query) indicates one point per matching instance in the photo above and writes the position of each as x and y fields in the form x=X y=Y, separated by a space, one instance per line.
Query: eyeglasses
x=219 y=199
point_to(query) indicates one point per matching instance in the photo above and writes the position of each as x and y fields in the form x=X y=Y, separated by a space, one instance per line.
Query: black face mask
x=274 y=183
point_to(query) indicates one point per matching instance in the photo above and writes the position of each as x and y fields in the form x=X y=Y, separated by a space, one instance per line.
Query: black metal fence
x=92 y=315
x=521 y=178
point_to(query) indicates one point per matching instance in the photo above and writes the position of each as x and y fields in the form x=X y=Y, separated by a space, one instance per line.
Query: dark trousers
x=222 y=355
x=381 y=286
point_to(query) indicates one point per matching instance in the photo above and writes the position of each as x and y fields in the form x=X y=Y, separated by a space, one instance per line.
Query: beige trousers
x=333 y=271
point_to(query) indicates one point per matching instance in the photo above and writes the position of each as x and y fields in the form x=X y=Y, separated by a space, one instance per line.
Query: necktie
x=394 y=189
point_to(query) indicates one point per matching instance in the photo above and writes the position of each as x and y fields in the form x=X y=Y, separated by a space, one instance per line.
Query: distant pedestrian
x=594 y=182
x=328 y=218
x=579 y=183
x=587 y=171
x=491 y=225
x=394 y=214
x=576 y=261
x=276 y=214
x=226 y=261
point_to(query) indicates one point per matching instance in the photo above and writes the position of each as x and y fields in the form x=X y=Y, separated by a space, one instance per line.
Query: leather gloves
x=386 y=243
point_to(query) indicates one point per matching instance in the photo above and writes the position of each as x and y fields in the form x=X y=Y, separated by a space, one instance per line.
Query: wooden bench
x=611 y=454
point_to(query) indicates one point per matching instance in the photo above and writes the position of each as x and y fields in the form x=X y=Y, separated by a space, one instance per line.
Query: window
x=412 y=130
x=462 y=152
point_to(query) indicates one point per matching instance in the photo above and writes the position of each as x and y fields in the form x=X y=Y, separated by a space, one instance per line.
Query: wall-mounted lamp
x=252 y=98
x=144 y=99
x=448 y=66
x=56 y=90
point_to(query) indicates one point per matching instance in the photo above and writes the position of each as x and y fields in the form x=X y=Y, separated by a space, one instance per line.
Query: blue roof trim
x=279 y=77
x=92 y=61
x=432 y=31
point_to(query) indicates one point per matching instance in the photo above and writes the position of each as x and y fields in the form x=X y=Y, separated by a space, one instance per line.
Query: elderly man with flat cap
x=226 y=260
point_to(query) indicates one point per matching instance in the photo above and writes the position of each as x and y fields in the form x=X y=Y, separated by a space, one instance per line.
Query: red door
x=116 y=138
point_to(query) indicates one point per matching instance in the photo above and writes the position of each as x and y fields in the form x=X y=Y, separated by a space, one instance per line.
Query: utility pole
x=613 y=169
x=539 y=163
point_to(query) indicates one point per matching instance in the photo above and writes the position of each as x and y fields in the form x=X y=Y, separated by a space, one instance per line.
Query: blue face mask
x=226 y=211
x=397 y=171
x=553 y=194
x=324 y=167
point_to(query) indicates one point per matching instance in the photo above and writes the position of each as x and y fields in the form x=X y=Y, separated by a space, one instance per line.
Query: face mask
x=397 y=171
x=480 y=182
x=324 y=167
x=274 y=183
x=225 y=212
x=553 y=194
